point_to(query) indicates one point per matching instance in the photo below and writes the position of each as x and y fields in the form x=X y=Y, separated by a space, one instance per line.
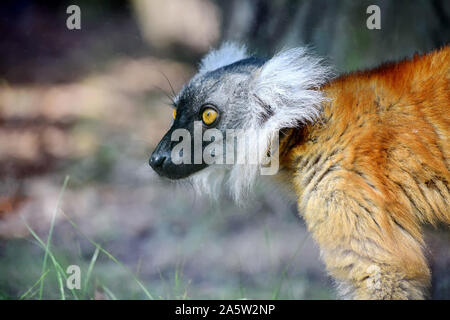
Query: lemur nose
x=156 y=160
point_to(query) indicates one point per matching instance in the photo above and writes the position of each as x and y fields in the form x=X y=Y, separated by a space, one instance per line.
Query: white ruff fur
x=228 y=53
x=289 y=83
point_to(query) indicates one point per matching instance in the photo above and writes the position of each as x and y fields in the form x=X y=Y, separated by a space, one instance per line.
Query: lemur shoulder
x=367 y=154
x=372 y=170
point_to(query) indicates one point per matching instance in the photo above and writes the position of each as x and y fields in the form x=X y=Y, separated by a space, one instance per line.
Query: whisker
x=167 y=95
x=170 y=84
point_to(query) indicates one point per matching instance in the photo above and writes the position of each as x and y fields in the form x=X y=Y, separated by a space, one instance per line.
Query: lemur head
x=233 y=91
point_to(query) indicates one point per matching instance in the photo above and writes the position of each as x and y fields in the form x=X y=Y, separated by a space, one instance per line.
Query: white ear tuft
x=228 y=53
x=287 y=84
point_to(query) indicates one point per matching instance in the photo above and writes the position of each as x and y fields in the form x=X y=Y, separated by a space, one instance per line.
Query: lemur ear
x=284 y=90
x=228 y=53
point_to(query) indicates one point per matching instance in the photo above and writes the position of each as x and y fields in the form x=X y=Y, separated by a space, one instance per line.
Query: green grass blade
x=108 y=292
x=111 y=257
x=59 y=270
x=89 y=272
x=34 y=285
x=50 y=233
x=55 y=263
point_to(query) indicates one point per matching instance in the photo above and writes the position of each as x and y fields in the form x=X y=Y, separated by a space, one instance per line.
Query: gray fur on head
x=256 y=94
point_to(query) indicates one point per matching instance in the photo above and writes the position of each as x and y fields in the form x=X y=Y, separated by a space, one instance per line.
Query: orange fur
x=372 y=170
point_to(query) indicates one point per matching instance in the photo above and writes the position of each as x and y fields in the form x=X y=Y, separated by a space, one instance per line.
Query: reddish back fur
x=376 y=167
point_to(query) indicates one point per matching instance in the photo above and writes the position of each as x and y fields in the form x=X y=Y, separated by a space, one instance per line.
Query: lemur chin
x=367 y=154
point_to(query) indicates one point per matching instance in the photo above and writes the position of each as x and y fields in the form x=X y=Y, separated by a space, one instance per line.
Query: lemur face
x=214 y=100
x=235 y=92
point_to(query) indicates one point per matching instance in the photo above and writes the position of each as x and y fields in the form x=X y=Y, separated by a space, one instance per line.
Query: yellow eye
x=209 y=115
x=174 y=114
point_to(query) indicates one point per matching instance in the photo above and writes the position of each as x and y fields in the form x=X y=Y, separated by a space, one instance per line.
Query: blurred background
x=91 y=105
